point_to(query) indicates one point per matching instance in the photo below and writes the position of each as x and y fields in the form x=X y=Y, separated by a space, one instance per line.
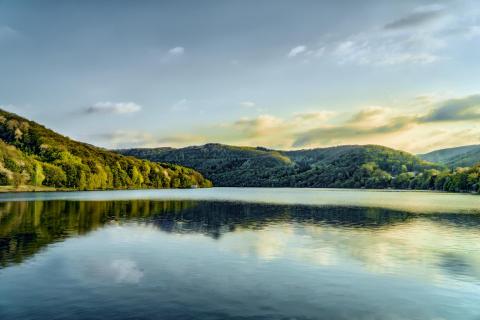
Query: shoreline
x=33 y=189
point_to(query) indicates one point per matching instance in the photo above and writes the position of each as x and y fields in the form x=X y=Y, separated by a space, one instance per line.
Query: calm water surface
x=228 y=253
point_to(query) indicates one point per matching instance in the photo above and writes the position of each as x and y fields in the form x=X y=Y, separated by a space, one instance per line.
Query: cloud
x=108 y=107
x=357 y=127
x=139 y=139
x=176 y=51
x=317 y=116
x=420 y=17
x=247 y=104
x=383 y=50
x=425 y=125
x=422 y=37
x=462 y=109
x=384 y=124
x=126 y=271
x=438 y=138
x=171 y=55
x=260 y=126
x=296 y=51
x=268 y=130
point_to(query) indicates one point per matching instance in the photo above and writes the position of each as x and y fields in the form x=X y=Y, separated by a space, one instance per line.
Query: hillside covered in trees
x=32 y=155
x=353 y=166
x=465 y=156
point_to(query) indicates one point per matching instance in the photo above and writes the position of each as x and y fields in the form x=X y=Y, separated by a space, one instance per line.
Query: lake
x=240 y=253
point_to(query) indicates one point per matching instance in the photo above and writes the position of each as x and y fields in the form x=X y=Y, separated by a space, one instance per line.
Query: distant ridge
x=464 y=156
x=349 y=166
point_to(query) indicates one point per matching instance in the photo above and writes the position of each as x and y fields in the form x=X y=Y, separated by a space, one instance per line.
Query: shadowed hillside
x=465 y=156
x=354 y=166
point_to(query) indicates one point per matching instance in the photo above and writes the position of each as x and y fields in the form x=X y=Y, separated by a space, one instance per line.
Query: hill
x=465 y=156
x=354 y=166
x=33 y=155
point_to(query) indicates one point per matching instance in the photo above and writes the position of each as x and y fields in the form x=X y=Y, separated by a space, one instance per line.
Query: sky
x=282 y=74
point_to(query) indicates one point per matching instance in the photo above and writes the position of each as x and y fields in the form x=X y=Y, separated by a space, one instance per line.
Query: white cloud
x=172 y=55
x=126 y=271
x=140 y=139
x=113 y=107
x=315 y=116
x=370 y=124
x=177 y=51
x=296 y=51
x=247 y=104
x=379 y=48
x=125 y=139
x=423 y=36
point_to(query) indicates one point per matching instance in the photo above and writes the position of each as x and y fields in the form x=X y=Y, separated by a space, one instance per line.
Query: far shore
x=33 y=189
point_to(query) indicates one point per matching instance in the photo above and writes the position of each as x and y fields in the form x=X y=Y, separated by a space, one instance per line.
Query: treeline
x=31 y=154
x=370 y=166
x=458 y=180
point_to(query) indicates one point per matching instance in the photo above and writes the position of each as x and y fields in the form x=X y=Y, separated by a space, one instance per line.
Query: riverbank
x=12 y=189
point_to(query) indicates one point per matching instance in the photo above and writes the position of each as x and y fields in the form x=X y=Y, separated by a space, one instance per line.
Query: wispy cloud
x=262 y=125
x=269 y=130
x=420 y=37
x=248 y=104
x=171 y=55
x=176 y=51
x=423 y=126
x=126 y=271
x=369 y=121
x=420 y=17
x=108 y=107
x=141 y=139
x=462 y=109
x=296 y=51
x=381 y=122
x=410 y=128
x=316 y=116
x=382 y=49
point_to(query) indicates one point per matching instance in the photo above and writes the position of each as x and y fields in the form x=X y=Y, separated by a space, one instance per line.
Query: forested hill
x=354 y=166
x=465 y=156
x=32 y=155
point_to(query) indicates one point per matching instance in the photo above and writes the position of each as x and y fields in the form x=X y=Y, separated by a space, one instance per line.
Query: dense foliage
x=31 y=154
x=339 y=167
x=465 y=156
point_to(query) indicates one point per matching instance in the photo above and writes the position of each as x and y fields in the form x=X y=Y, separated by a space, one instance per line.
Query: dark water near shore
x=266 y=254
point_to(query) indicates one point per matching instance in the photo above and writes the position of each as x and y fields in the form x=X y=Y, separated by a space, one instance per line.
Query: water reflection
x=381 y=239
x=218 y=260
